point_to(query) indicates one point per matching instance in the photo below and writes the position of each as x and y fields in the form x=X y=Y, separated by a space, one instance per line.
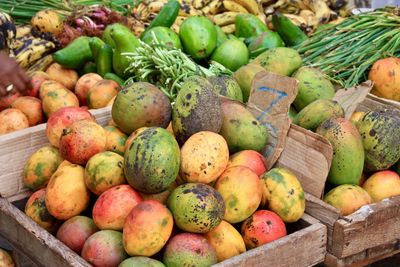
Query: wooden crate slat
x=305 y=247
x=29 y=238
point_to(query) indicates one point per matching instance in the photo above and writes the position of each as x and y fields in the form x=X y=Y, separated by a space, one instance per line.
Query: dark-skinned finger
x=24 y=77
x=3 y=91
x=18 y=84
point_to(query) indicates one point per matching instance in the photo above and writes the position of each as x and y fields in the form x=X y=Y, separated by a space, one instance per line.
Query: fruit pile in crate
x=195 y=192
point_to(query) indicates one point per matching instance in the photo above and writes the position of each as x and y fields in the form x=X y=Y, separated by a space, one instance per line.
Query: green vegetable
x=221 y=36
x=167 y=15
x=166 y=67
x=232 y=54
x=249 y=25
x=104 y=60
x=164 y=35
x=90 y=67
x=76 y=54
x=95 y=44
x=114 y=77
x=125 y=42
x=290 y=32
x=345 y=52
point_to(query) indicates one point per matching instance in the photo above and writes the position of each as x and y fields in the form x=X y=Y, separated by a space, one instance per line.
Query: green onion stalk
x=345 y=52
x=166 y=67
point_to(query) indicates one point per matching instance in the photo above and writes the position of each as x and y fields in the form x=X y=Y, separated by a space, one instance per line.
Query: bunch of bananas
x=221 y=12
x=307 y=14
x=19 y=42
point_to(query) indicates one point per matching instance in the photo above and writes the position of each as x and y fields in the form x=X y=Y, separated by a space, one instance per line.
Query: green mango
x=248 y=25
x=348 y=152
x=226 y=86
x=317 y=112
x=241 y=129
x=232 y=54
x=292 y=113
x=125 y=41
x=280 y=60
x=199 y=37
x=244 y=77
x=312 y=86
x=221 y=36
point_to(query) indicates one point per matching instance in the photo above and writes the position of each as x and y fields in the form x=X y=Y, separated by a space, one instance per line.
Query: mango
x=103 y=171
x=241 y=130
x=292 y=113
x=204 y=156
x=197 y=108
x=104 y=248
x=187 y=249
x=347 y=198
x=113 y=206
x=262 y=227
x=141 y=262
x=226 y=86
x=36 y=209
x=232 y=54
x=160 y=197
x=82 y=140
x=66 y=193
x=283 y=194
x=226 y=241
x=348 y=152
x=241 y=191
x=250 y=159
x=139 y=105
x=40 y=167
x=380 y=131
x=356 y=117
x=244 y=77
x=279 y=60
x=147 y=228
x=115 y=139
x=101 y=93
x=5 y=259
x=385 y=75
x=317 y=112
x=382 y=184
x=196 y=207
x=75 y=231
x=312 y=86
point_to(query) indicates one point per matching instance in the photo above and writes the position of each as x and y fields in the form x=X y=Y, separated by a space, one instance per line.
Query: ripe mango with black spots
x=197 y=108
x=283 y=194
x=348 y=152
x=226 y=86
x=347 y=198
x=380 y=132
x=196 y=207
x=280 y=60
x=317 y=112
x=312 y=86
x=241 y=130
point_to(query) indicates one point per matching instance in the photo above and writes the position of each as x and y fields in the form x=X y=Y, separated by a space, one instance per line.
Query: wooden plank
x=305 y=247
x=373 y=102
x=371 y=226
x=25 y=235
x=17 y=147
x=366 y=257
x=309 y=156
x=20 y=260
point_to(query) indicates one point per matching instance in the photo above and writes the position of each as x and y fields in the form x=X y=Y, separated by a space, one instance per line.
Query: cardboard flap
x=350 y=98
x=270 y=99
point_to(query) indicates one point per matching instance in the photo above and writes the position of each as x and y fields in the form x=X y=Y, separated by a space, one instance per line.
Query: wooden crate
x=368 y=235
x=304 y=246
x=305 y=152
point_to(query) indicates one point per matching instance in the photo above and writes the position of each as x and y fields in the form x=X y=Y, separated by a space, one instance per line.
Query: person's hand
x=12 y=76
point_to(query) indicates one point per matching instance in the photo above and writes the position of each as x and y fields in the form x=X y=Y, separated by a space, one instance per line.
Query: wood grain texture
x=371 y=226
x=309 y=156
x=17 y=147
x=305 y=247
x=373 y=102
x=25 y=235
